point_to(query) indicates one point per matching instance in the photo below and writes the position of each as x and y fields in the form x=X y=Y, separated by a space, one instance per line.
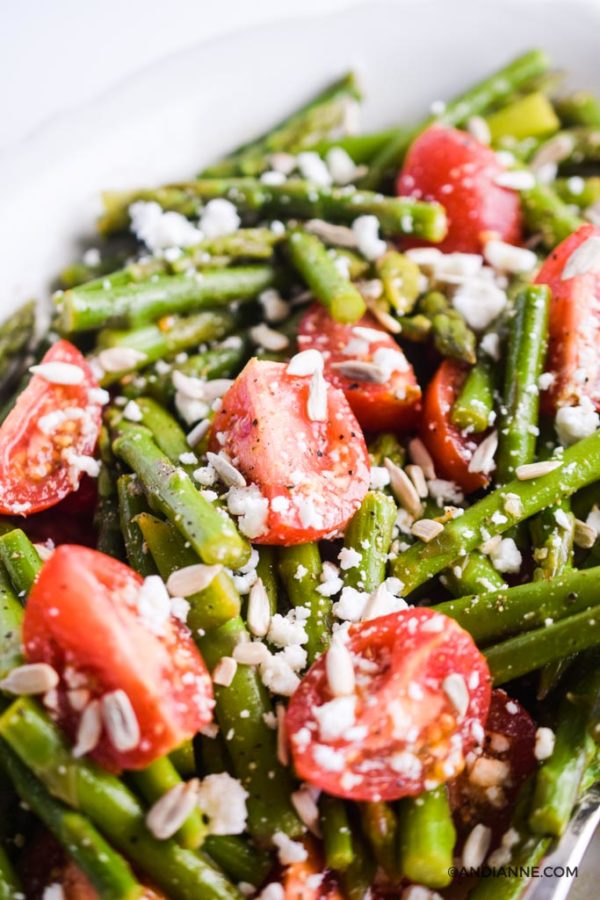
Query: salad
x=299 y=516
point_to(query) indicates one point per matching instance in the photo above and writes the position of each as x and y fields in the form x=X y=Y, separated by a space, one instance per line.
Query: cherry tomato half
x=421 y=697
x=450 y=166
x=44 y=436
x=392 y=405
x=314 y=474
x=84 y=618
x=450 y=449
x=574 y=325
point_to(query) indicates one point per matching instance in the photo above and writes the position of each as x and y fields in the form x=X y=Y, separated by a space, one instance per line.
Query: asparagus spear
x=21 y=560
x=250 y=742
x=361 y=148
x=369 y=533
x=580 y=192
x=11 y=616
x=15 y=334
x=518 y=423
x=426 y=838
x=546 y=214
x=163 y=340
x=529 y=116
x=477 y=575
x=380 y=826
x=106 y=869
x=558 y=780
x=451 y=335
x=132 y=503
x=337 y=294
x=209 y=530
x=580 y=108
x=311 y=122
x=109 y=805
x=337 y=834
x=106 y=516
x=580 y=466
x=156 y=780
x=491 y=616
x=239 y=859
x=166 y=295
x=401 y=281
x=474 y=405
x=217 y=603
x=166 y=431
x=300 y=570
x=474 y=102
x=295 y=198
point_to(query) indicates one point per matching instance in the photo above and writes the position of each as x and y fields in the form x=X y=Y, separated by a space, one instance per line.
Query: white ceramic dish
x=184 y=111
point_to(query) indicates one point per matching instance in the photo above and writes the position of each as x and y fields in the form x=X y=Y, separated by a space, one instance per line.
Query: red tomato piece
x=574 y=325
x=507 y=755
x=450 y=166
x=41 y=439
x=84 y=619
x=313 y=473
x=393 y=405
x=450 y=449
x=421 y=697
x=300 y=881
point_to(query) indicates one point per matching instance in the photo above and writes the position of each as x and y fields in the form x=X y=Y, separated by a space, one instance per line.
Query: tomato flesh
x=574 y=326
x=509 y=739
x=451 y=167
x=406 y=735
x=49 y=426
x=314 y=474
x=83 y=619
x=391 y=406
x=450 y=449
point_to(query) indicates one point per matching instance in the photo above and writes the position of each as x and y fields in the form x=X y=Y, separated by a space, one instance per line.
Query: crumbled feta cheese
x=544 y=743
x=278 y=676
x=313 y=168
x=380 y=478
x=153 y=603
x=546 y=380
x=351 y=605
x=219 y=217
x=252 y=508
x=490 y=344
x=366 y=231
x=573 y=423
x=349 y=558
x=444 y=491
x=479 y=302
x=340 y=165
x=222 y=799
x=335 y=717
x=289 y=851
x=506 y=556
x=285 y=630
x=159 y=229
x=132 y=412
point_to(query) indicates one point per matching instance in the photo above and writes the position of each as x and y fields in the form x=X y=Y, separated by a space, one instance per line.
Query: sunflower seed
x=268 y=338
x=89 y=729
x=537 y=469
x=259 y=610
x=283 y=753
x=119 y=359
x=403 y=489
x=421 y=457
x=339 y=669
x=251 y=653
x=227 y=472
x=456 y=690
x=32 y=678
x=306 y=807
x=583 y=260
x=584 y=536
x=361 y=371
x=169 y=813
x=317 y=398
x=307 y=362
x=191 y=579
x=483 y=457
x=120 y=721
x=338 y=235
x=59 y=372
x=426 y=529
x=224 y=671
x=415 y=473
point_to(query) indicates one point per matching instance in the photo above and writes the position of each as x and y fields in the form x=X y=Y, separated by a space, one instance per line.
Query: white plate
x=173 y=117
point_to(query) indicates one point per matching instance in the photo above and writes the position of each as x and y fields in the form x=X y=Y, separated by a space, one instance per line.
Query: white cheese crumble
x=479 y=303
x=544 y=743
x=158 y=229
x=366 y=232
x=313 y=168
x=573 y=423
x=223 y=801
x=506 y=556
x=289 y=851
x=219 y=217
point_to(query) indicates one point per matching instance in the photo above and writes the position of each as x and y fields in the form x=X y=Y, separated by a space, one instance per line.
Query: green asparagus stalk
x=167 y=432
x=15 y=334
x=490 y=616
x=476 y=576
x=474 y=405
x=155 y=781
x=426 y=838
x=209 y=608
x=132 y=503
x=546 y=214
x=141 y=302
x=300 y=570
x=294 y=199
x=337 y=834
x=451 y=335
x=474 y=102
x=369 y=533
x=11 y=616
x=21 y=560
x=163 y=340
x=401 y=281
x=580 y=108
x=209 y=530
x=109 y=537
x=337 y=294
x=106 y=869
x=361 y=148
x=357 y=877
x=315 y=120
x=380 y=826
x=553 y=539
x=559 y=778
x=577 y=191
x=240 y=860
x=518 y=423
x=580 y=466
x=109 y=805
x=250 y=742
x=267 y=571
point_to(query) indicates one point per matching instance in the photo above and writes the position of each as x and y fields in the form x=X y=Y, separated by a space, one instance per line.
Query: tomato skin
x=509 y=737
x=402 y=710
x=263 y=425
x=573 y=328
x=81 y=617
x=450 y=450
x=450 y=166
x=393 y=406
x=33 y=472
x=296 y=878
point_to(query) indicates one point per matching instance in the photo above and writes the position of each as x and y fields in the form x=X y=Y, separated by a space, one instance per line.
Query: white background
x=56 y=54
